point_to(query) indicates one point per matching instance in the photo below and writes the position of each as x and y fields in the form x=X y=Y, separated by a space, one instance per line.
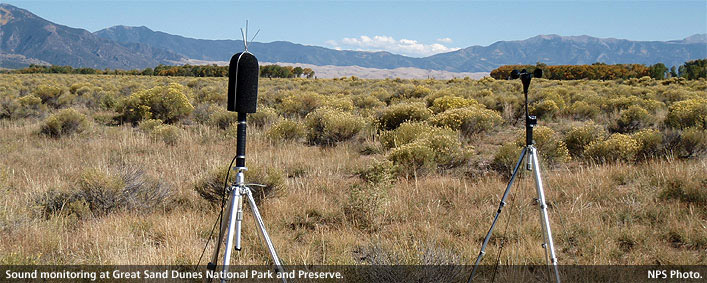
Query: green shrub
x=223 y=119
x=394 y=115
x=167 y=103
x=49 y=94
x=149 y=125
x=75 y=87
x=286 y=130
x=338 y=102
x=382 y=172
x=618 y=147
x=506 y=157
x=265 y=116
x=364 y=101
x=364 y=208
x=382 y=95
x=107 y=100
x=632 y=119
x=202 y=112
x=211 y=94
x=409 y=132
x=8 y=105
x=688 y=113
x=417 y=145
x=445 y=103
x=301 y=104
x=688 y=190
x=544 y=109
x=167 y=133
x=584 y=110
x=412 y=91
x=65 y=122
x=25 y=106
x=470 y=120
x=578 y=138
x=326 y=126
x=98 y=193
x=413 y=156
x=693 y=142
x=650 y=143
x=620 y=103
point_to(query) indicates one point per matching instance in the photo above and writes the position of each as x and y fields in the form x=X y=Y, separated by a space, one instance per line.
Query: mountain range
x=26 y=39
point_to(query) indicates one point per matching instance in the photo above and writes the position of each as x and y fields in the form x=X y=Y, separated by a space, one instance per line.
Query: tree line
x=268 y=71
x=691 y=70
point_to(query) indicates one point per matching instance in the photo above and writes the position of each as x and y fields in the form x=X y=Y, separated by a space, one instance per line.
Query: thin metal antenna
x=256 y=34
x=245 y=44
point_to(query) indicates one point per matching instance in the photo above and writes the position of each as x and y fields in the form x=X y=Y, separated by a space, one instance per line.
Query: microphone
x=243 y=83
x=538 y=73
x=242 y=95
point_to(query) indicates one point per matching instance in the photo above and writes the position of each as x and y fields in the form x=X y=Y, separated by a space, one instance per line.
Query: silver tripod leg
x=233 y=226
x=545 y=221
x=498 y=212
x=239 y=218
x=224 y=226
x=264 y=233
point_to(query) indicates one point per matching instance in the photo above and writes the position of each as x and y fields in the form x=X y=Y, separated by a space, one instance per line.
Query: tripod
x=531 y=153
x=231 y=223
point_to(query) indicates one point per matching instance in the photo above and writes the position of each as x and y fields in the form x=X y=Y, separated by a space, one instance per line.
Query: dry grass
x=653 y=212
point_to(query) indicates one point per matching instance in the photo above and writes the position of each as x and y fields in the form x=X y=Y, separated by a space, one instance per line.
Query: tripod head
x=530 y=121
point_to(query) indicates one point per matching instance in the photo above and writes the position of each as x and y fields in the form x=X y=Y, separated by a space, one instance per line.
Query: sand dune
x=330 y=71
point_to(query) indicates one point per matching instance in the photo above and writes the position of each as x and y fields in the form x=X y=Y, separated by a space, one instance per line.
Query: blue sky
x=414 y=28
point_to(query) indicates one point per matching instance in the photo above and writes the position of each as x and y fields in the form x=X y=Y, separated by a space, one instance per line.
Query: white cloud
x=445 y=40
x=403 y=46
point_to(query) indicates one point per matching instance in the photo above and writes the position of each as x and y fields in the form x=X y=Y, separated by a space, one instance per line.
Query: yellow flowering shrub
x=650 y=143
x=394 y=115
x=327 y=126
x=65 y=122
x=445 y=103
x=580 y=137
x=168 y=103
x=687 y=113
x=286 y=130
x=469 y=120
x=616 y=147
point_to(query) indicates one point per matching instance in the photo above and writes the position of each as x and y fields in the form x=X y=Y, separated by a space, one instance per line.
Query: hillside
x=26 y=34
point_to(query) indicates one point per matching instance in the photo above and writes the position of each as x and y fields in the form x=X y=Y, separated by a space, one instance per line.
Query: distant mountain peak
x=696 y=38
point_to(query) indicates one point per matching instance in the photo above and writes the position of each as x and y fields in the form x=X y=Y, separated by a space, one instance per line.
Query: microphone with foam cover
x=515 y=74
x=243 y=83
x=538 y=73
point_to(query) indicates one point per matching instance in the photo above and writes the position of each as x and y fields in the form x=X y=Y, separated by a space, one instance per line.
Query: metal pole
x=224 y=226
x=545 y=221
x=235 y=195
x=264 y=233
x=239 y=210
x=498 y=212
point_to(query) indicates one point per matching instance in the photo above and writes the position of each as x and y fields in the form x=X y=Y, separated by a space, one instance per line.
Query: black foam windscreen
x=243 y=83
x=538 y=73
x=515 y=74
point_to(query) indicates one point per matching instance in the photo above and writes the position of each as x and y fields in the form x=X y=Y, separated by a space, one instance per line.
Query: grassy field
x=126 y=170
